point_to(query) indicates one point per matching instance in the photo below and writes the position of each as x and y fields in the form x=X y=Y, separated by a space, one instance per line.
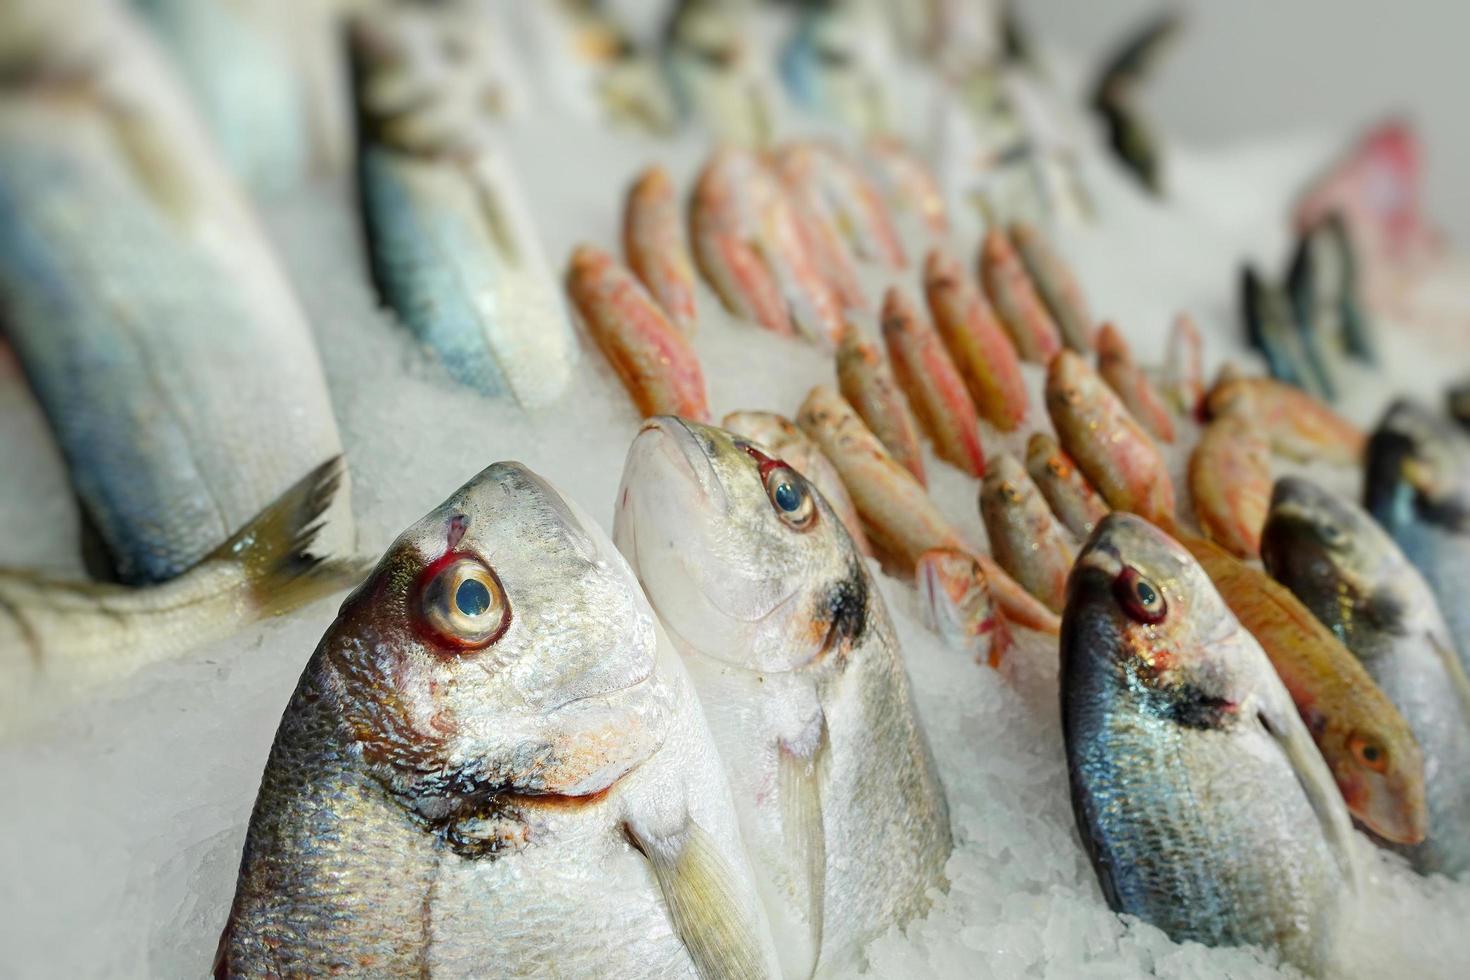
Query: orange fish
x=1115 y=364
x=653 y=241
x=868 y=384
x=1016 y=301
x=1295 y=423
x=982 y=352
x=1230 y=484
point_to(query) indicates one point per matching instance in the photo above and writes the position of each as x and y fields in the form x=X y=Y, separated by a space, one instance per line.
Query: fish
x=934 y=387
x=1025 y=537
x=1416 y=484
x=909 y=186
x=834 y=65
x=901 y=520
x=1367 y=745
x=821 y=171
x=122 y=234
x=494 y=720
x=1111 y=449
x=1272 y=328
x=1325 y=292
x=1116 y=365
x=651 y=356
x=1066 y=490
x=656 y=249
x=1183 y=382
x=867 y=382
x=1457 y=403
x=1115 y=97
x=982 y=352
x=1133 y=142
x=1163 y=695
x=1343 y=567
x=819 y=220
x=62 y=638
x=749 y=245
x=1057 y=285
x=1230 y=484
x=955 y=602
x=783 y=439
x=717 y=73
x=1013 y=295
x=452 y=248
x=772 y=609
x=1297 y=425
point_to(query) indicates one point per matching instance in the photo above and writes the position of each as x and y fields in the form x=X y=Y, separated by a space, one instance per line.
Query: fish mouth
x=683 y=445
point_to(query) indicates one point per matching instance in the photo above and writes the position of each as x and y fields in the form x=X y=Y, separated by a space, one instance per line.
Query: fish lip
x=692 y=452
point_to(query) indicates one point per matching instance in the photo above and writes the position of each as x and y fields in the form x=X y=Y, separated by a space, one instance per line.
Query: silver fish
x=160 y=336
x=1198 y=793
x=799 y=671
x=453 y=249
x=493 y=748
x=1352 y=576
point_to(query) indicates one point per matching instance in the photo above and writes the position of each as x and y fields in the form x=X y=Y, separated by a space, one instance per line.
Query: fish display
x=1183 y=381
x=1230 y=484
x=867 y=382
x=770 y=605
x=1113 y=451
x=121 y=233
x=1416 y=484
x=1341 y=565
x=909 y=186
x=715 y=74
x=1163 y=693
x=923 y=369
x=1293 y=355
x=651 y=356
x=1016 y=301
x=801 y=169
x=1025 y=538
x=784 y=440
x=955 y=602
x=1293 y=422
x=837 y=188
x=1066 y=490
x=453 y=250
x=1116 y=366
x=495 y=727
x=1367 y=744
x=1057 y=285
x=656 y=249
x=1325 y=292
x=834 y=64
x=982 y=352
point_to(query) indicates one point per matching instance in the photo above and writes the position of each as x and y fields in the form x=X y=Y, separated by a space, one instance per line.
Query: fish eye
x=1369 y=753
x=463 y=604
x=791 y=498
x=1010 y=492
x=1142 y=600
x=1057 y=468
x=1331 y=534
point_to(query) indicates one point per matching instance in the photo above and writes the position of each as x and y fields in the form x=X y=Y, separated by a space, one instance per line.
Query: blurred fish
x=1143 y=401
x=934 y=387
x=783 y=439
x=1296 y=424
x=62 y=638
x=1342 y=565
x=835 y=64
x=1230 y=484
x=800 y=675
x=902 y=521
x=955 y=602
x=1112 y=450
x=749 y=245
x=494 y=720
x=165 y=344
x=1163 y=694
x=908 y=184
x=1016 y=301
x=1116 y=93
x=1066 y=490
x=819 y=221
x=1326 y=294
x=1417 y=486
x=653 y=359
x=868 y=384
x=1025 y=538
x=1366 y=743
x=1457 y=401
x=981 y=350
x=1271 y=328
x=654 y=243
x=1056 y=284
x=1183 y=380
x=453 y=249
x=717 y=75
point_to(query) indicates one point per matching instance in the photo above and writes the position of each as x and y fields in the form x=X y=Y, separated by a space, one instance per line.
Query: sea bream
x=493 y=748
x=453 y=249
x=1343 y=567
x=1198 y=793
x=165 y=344
x=799 y=671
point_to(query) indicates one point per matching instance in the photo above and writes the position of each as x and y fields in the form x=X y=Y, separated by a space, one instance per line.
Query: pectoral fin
x=716 y=923
x=805 y=836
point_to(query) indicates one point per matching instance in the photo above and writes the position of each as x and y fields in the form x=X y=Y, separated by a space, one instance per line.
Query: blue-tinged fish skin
x=1185 y=755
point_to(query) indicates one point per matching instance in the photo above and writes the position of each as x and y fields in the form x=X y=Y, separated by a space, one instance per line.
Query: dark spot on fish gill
x=845 y=610
x=1383 y=608
x=1182 y=703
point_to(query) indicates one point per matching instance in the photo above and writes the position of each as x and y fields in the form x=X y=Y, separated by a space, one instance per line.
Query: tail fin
x=273 y=548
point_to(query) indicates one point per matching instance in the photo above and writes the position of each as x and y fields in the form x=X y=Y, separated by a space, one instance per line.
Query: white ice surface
x=121 y=822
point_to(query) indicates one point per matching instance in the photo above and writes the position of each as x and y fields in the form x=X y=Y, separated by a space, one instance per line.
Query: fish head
x=500 y=646
x=1007 y=489
x=741 y=556
x=1075 y=396
x=1138 y=596
x=1418 y=470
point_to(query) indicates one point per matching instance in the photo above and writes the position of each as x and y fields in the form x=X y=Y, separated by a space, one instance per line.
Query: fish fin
x=1281 y=721
x=1453 y=667
x=272 y=549
x=715 y=924
x=803 y=832
x=152 y=158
